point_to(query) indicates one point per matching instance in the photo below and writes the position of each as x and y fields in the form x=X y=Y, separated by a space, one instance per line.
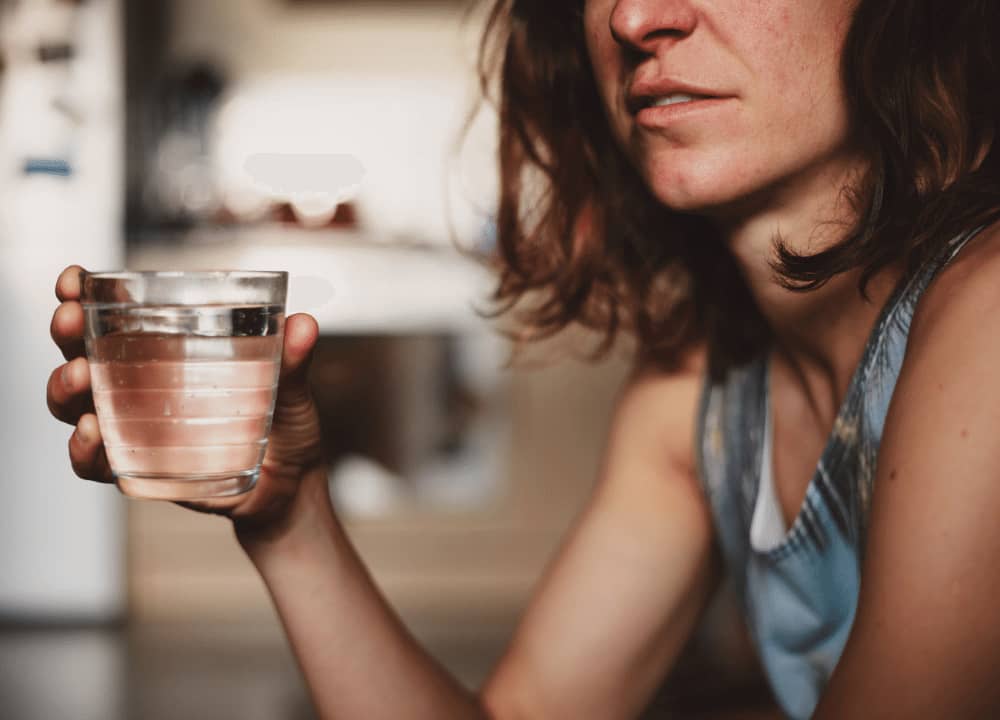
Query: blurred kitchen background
x=126 y=129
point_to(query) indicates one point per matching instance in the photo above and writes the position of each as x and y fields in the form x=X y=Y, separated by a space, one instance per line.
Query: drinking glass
x=184 y=370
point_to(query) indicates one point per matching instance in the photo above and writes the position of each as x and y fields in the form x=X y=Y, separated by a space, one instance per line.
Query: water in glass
x=184 y=394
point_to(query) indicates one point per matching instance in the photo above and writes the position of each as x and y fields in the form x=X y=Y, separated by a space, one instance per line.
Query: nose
x=641 y=25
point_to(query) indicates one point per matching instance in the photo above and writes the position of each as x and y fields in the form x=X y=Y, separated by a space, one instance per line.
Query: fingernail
x=64 y=377
x=82 y=434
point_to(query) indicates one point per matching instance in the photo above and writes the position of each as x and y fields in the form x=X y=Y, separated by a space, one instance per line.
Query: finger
x=68 y=392
x=66 y=329
x=68 y=283
x=86 y=451
x=301 y=333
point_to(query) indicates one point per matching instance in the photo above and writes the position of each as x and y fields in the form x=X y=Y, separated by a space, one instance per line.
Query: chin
x=695 y=197
x=701 y=189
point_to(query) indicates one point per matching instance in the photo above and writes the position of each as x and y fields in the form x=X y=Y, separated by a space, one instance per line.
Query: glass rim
x=168 y=274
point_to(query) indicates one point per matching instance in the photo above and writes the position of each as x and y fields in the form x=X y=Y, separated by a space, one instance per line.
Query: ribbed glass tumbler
x=184 y=368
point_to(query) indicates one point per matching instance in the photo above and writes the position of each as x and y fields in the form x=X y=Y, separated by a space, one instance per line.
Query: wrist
x=307 y=517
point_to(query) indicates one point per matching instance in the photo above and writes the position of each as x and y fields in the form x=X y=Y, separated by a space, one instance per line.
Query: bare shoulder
x=926 y=633
x=948 y=389
x=963 y=293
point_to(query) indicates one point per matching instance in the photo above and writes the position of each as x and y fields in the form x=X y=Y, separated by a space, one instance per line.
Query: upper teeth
x=673 y=99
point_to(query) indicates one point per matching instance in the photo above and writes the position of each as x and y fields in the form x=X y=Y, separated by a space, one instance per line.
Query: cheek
x=799 y=97
x=795 y=52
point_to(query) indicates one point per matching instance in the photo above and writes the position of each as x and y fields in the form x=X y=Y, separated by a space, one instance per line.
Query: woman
x=721 y=179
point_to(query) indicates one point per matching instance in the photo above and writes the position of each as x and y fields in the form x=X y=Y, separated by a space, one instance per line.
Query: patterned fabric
x=800 y=596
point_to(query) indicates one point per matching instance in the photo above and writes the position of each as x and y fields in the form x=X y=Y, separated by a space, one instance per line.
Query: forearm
x=357 y=657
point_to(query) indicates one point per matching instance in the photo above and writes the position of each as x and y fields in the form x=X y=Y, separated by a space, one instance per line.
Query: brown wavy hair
x=581 y=240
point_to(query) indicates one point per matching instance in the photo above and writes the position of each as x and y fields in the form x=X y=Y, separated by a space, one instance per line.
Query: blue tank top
x=800 y=595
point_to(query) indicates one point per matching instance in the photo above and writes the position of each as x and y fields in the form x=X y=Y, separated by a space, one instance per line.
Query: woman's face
x=721 y=103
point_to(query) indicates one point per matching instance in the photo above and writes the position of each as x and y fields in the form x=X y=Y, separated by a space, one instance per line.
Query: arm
x=926 y=639
x=624 y=593
x=613 y=611
x=357 y=658
x=610 y=617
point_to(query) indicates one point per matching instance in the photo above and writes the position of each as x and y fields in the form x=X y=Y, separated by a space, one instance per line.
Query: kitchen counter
x=241 y=671
x=193 y=671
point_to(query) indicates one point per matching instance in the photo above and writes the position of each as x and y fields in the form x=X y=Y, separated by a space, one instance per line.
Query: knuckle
x=54 y=397
x=78 y=367
x=80 y=466
x=85 y=465
x=66 y=277
x=53 y=378
x=54 y=325
x=64 y=317
x=55 y=409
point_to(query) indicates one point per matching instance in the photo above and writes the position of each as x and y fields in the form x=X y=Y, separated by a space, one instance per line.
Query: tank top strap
x=850 y=459
x=731 y=423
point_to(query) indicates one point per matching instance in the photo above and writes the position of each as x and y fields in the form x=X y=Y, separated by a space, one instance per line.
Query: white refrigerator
x=61 y=199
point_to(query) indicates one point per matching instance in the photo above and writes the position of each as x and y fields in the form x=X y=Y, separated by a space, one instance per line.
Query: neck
x=819 y=335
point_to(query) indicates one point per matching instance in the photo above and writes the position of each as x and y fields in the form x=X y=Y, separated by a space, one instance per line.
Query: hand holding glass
x=184 y=369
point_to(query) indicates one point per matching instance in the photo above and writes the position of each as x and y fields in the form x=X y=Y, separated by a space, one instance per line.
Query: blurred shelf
x=351 y=283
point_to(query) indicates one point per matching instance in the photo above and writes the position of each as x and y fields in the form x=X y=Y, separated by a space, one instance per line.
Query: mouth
x=638 y=103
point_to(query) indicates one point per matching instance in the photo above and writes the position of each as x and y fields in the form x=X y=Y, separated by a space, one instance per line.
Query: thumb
x=301 y=332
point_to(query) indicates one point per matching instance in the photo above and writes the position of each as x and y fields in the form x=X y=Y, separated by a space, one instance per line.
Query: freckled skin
x=787 y=127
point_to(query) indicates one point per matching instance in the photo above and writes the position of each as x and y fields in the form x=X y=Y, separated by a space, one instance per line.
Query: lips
x=645 y=94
